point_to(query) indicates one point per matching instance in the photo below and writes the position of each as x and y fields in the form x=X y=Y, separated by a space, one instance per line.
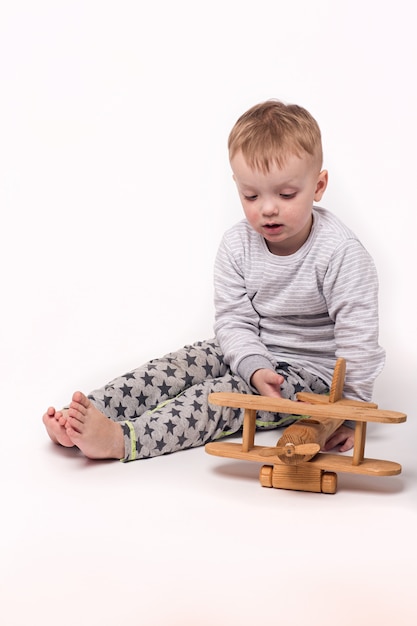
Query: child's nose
x=270 y=207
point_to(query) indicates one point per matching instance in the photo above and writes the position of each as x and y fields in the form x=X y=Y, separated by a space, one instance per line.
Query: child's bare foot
x=55 y=425
x=94 y=433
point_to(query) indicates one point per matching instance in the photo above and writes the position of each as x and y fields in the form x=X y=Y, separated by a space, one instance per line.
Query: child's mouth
x=273 y=228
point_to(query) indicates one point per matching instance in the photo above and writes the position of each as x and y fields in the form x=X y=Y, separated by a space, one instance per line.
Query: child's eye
x=250 y=198
x=287 y=196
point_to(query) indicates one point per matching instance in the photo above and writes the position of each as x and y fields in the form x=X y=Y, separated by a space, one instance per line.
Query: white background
x=115 y=189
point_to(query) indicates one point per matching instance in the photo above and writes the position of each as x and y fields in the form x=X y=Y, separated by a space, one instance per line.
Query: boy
x=294 y=290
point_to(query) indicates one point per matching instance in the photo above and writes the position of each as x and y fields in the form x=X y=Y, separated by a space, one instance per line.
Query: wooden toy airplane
x=296 y=461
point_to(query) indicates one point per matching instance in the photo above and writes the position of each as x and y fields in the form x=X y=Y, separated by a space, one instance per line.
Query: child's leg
x=189 y=420
x=130 y=395
x=186 y=421
x=162 y=406
x=126 y=398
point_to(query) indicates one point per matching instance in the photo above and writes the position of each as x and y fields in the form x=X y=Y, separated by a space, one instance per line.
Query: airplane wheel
x=329 y=482
x=265 y=475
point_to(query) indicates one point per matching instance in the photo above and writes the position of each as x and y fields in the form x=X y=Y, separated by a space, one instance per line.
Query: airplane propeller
x=290 y=449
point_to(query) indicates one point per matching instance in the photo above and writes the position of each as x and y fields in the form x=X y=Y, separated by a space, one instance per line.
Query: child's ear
x=321 y=185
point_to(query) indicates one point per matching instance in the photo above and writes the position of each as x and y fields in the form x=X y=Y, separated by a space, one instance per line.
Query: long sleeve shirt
x=306 y=309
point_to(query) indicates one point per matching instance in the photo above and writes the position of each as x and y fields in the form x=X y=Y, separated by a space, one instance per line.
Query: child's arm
x=237 y=324
x=351 y=292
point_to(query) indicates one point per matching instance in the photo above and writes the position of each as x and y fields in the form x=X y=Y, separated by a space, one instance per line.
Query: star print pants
x=163 y=405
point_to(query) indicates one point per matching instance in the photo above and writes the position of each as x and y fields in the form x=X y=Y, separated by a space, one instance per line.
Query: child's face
x=278 y=205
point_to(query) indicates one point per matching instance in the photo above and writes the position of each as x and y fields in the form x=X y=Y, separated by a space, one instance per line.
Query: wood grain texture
x=339 y=410
x=329 y=462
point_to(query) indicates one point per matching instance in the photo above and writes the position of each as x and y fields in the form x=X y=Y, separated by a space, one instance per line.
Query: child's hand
x=267 y=383
x=343 y=436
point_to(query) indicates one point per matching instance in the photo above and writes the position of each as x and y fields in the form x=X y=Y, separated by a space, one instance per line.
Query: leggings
x=163 y=407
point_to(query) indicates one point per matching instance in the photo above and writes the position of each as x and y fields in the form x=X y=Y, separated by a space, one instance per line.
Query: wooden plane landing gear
x=296 y=461
x=298 y=478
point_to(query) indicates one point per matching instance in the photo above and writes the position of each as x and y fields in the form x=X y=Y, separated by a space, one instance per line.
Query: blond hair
x=271 y=131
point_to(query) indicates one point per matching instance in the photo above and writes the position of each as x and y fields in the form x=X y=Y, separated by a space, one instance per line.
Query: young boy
x=294 y=290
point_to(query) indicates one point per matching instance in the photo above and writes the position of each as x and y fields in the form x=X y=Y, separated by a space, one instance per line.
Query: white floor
x=194 y=539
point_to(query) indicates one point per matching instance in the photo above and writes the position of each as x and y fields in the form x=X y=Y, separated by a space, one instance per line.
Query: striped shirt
x=306 y=309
